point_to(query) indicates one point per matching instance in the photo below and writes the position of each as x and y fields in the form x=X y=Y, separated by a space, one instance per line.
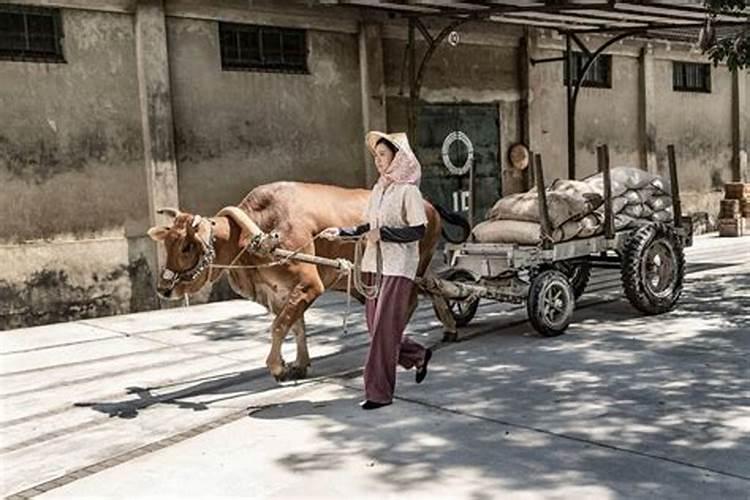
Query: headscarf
x=404 y=168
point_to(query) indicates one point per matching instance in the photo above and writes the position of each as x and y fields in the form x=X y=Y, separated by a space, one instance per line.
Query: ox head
x=189 y=245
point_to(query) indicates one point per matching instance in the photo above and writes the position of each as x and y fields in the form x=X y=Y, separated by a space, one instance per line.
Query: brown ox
x=297 y=212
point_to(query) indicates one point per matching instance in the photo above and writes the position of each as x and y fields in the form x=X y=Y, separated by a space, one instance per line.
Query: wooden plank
x=546 y=227
x=602 y=156
x=540 y=24
x=632 y=17
x=676 y=204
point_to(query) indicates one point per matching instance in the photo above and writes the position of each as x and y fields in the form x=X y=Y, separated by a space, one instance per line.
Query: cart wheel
x=463 y=311
x=578 y=275
x=551 y=302
x=653 y=267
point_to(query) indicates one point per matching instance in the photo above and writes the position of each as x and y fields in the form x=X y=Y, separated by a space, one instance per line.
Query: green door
x=453 y=138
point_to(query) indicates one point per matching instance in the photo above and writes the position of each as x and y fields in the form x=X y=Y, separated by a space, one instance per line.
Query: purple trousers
x=387 y=316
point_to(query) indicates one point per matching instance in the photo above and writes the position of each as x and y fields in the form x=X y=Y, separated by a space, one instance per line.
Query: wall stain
x=39 y=160
x=48 y=296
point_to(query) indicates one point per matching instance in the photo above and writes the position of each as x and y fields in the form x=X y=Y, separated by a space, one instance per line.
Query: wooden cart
x=549 y=277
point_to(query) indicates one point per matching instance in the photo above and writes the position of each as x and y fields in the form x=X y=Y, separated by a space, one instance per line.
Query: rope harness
x=353 y=270
x=206 y=260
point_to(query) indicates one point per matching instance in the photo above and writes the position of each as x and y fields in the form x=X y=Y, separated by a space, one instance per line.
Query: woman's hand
x=373 y=235
x=330 y=233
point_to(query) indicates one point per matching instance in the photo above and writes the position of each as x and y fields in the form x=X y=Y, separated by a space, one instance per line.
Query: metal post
x=574 y=89
x=524 y=83
x=571 y=110
x=471 y=195
x=412 y=114
x=545 y=226
x=602 y=156
x=676 y=204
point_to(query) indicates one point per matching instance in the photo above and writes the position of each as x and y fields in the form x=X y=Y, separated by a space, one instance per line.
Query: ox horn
x=249 y=228
x=170 y=212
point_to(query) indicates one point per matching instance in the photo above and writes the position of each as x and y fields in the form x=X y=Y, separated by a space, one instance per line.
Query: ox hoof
x=279 y=371
x=291 y=373
x=297 y=372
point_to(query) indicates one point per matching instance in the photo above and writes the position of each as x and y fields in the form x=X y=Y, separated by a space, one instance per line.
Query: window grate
x=30 y=34
x=691 y=77
x=262 y=48
x=599 y=75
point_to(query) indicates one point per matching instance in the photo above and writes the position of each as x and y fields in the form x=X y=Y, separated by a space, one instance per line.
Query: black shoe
x=372 y=405
x=422 y=372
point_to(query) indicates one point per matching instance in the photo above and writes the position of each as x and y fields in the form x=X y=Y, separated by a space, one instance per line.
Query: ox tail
x=454 y=219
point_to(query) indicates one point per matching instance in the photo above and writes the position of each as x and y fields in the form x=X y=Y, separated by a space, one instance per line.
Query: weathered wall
x=70 y=135
x=71 y=177
x=699 y=126
x=744 y=160
x=603 y=115
x=238 y=129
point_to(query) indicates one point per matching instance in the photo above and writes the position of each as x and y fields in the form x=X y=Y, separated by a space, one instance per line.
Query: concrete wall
x=698 y=124
x=603 y=115
x=238 y=129
x=71 y=178
x=70 y=139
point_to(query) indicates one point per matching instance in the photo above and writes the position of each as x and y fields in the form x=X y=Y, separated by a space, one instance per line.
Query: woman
x=396 y=221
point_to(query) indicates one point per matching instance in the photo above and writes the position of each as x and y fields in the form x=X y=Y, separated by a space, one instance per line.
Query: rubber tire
x=578 y=274
x=633 y=280
x=462 y=319
x=539 y=284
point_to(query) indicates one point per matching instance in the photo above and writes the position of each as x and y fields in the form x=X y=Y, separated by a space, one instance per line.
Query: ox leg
x=300 y=298
x=302 y=363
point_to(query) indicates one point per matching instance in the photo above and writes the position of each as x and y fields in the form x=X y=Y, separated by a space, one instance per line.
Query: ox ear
x=158 y=233
x=169 y=212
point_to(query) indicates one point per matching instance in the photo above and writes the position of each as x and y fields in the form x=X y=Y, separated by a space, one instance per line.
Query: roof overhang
x=580 y=16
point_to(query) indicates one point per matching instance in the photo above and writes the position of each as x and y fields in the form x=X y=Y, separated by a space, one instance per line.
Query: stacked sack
x=576 y=208
x=735 y=208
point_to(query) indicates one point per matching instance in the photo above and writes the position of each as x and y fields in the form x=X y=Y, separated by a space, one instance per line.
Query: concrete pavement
x=178 y=403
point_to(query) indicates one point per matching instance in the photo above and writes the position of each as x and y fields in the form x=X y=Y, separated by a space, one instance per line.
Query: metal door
x=453 y=139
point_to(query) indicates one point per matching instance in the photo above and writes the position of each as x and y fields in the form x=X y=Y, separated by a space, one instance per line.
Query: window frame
x=682 y=86
x=27 y=55
x=261 y=63
x=579 y=61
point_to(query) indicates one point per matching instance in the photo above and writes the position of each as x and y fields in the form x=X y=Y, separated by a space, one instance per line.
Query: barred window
x=599 y=75
x=30 y=34
x=263 y=48
x=691 y=77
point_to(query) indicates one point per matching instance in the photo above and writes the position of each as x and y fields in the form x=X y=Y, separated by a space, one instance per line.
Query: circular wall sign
x=447 y=143
x=454 y=38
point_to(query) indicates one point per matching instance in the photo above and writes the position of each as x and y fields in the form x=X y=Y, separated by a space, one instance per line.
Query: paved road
x=178 y=403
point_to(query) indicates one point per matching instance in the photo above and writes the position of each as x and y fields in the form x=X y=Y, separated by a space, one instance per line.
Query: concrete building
x=111 y=109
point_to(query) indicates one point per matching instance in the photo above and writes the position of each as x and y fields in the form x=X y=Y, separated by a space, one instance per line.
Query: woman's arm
x=354 y=231
x=402 y=234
